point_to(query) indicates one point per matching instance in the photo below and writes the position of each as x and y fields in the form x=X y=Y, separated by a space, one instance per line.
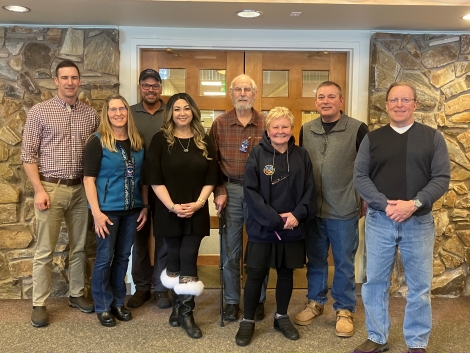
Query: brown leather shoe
x=138 y=298
x=419 y=350
x=371 y=347
x=82 y=304
x=344 y=323
x=311 y=311
x=39 y=316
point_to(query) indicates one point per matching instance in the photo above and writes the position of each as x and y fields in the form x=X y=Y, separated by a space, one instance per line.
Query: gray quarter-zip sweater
x=333 y=156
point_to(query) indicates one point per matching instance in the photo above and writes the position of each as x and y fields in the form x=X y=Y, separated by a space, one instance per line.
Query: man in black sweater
x=401 y=169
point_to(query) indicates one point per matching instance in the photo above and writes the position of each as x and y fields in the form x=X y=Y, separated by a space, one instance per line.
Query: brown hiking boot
x=311 y=311
x=344 y=323
x=82 y=304
x=39 y=316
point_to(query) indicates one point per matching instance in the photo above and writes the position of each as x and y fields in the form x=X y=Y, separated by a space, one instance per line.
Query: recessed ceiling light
x=295 y=14
x=466 y=17
x=16 y=8
x=249 y=13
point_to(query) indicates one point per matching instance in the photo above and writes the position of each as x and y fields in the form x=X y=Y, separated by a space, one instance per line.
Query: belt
x=66 y=182
x=233 y=181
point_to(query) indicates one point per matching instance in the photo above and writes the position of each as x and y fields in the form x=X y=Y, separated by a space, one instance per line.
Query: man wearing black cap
x=148 y=117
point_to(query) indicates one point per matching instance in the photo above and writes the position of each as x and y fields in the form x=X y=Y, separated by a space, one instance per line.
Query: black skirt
x=289 y=254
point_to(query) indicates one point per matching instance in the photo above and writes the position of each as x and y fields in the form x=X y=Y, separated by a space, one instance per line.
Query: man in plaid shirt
x=54 y=138
x=233 y=135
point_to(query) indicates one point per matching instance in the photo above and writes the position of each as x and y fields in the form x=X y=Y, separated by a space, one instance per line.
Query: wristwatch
x=417 y=203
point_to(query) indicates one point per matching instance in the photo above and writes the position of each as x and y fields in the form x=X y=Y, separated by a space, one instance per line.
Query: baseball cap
x=150 y=73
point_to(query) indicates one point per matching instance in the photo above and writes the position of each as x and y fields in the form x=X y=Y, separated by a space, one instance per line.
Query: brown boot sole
x=344 y=334
x=304 y=323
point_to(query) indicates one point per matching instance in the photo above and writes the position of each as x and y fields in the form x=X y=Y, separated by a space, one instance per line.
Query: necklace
x=187 y=147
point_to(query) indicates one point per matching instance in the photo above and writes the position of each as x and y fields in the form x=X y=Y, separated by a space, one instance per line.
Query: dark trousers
x=144 y=274
x=182 y=254
x=254 y=282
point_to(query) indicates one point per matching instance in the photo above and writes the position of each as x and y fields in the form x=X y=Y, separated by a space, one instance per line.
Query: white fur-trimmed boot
x=186 y=293
x=170 y=280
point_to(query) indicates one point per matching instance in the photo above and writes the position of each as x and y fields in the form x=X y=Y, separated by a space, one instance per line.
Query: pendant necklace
x=187 y=147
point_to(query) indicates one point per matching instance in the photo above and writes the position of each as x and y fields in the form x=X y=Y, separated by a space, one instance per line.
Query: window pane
x=212 y=83
x=275 y=83
x=208 y=116
x=311 y=80
x=173 y=81
x=309 y=115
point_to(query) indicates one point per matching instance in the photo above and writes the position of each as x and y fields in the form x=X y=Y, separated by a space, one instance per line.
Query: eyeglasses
x=114 y=110
x=240 y=90
x=278 y=180
x=146 y=86
x=403 y=100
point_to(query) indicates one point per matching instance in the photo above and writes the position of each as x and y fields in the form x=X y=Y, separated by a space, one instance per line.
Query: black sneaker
x=163 y=299
x=39 y=316
x=284 y=325
x=231 y=312
x=245 y=333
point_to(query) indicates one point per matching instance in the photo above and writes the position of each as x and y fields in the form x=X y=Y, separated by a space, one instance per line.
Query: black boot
x=186 y=318
x=174 y=316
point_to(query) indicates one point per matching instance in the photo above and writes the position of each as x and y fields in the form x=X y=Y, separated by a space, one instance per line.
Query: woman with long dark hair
x=182 y=170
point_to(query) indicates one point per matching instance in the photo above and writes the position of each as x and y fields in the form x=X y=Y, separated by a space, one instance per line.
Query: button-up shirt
x=54 y=137
x=227 y=135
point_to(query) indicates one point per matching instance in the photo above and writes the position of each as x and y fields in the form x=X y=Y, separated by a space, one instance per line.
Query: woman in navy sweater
x=279 y=192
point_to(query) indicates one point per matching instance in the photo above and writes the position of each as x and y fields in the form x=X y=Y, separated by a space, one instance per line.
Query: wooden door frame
x=355 y=44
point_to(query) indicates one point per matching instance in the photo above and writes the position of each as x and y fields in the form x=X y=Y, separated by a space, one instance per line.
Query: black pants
x=284 y=286
x=182 y=254
x=143 y=273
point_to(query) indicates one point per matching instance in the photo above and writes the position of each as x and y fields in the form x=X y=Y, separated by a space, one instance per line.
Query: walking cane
x=221 y=267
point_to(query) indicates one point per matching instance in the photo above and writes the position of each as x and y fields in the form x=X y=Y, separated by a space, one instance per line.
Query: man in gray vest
x=148 y=117
x=332 y=142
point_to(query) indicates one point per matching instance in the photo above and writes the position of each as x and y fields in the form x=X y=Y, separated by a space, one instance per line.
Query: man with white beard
x=233 y=135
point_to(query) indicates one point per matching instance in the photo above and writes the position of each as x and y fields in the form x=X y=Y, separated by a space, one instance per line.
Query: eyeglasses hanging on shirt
x=284 y=177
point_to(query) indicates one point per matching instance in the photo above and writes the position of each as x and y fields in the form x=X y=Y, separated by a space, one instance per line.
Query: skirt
x=283 y=254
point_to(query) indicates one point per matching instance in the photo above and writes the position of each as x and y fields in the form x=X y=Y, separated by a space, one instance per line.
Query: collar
x=64 y=104
x=255 y=118
x=317 y=126
x=139 y=107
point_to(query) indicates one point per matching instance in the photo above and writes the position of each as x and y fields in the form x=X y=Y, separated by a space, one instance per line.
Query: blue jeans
x=236 y=213
x=112 y=256
x=415 y=237
x=343 y=237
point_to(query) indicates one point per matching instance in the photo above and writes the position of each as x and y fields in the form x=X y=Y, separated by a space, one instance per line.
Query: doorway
x=284 y=78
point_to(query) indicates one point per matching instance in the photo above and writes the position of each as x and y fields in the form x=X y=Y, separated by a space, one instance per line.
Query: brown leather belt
x=66 y=182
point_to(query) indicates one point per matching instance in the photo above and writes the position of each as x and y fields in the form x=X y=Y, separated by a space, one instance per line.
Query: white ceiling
x=431 y=15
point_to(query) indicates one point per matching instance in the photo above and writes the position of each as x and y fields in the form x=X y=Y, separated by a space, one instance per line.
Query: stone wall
x=439 y=67
x=28 y=57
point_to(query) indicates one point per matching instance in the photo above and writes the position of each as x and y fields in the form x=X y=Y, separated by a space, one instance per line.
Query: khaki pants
x=69 y=203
